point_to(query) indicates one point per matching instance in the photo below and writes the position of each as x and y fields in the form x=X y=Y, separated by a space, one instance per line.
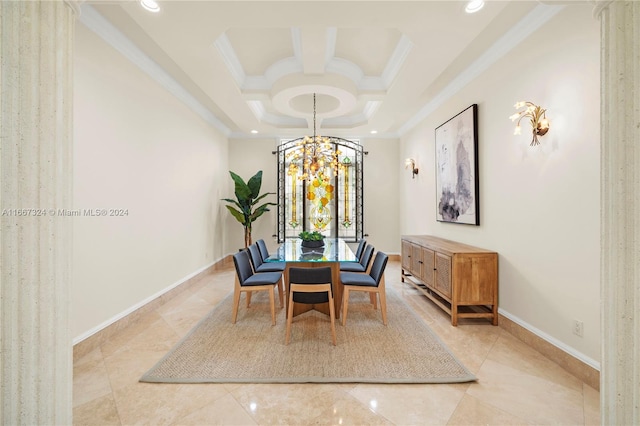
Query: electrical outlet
x=578 y=328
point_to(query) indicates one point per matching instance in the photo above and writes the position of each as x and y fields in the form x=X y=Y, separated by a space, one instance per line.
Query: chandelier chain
x=314 y=117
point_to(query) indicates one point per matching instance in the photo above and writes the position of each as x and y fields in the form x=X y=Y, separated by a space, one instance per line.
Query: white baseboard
x=552 y=340
x=137 y=306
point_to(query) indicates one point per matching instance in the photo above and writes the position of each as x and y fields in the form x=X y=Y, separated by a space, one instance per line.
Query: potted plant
x=311 y=239
x=247 y=196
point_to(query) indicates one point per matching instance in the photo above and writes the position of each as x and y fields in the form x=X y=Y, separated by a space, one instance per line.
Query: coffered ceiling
x=375 y=66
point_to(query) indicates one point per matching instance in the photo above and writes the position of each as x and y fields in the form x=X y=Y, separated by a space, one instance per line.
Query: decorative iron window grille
x=326 y=202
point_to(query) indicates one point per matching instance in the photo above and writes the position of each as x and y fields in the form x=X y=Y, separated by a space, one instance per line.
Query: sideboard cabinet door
x=429 y=273
x=443 y=274
x=406 y=256
x=417 y=262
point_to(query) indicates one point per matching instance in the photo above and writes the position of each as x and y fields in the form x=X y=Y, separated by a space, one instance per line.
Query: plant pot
x=311 y=254
x=312 y=244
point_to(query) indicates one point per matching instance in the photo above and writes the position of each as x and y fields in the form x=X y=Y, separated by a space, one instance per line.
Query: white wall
x=381 y=210
x=381 y=197
x=539 y=205
x=138 y=148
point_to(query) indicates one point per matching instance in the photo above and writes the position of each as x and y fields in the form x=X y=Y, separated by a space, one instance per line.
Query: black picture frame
x=457 y=192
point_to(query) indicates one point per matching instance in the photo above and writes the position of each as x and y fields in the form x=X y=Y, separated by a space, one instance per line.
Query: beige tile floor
x=516 y=384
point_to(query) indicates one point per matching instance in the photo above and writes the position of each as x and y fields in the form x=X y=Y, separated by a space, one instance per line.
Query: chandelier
x=318 y=153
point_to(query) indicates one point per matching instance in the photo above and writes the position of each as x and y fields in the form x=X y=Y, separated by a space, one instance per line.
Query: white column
x=36 y=40
x=620 y=211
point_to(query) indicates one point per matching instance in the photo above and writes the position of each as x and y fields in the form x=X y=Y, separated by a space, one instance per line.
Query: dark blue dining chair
x=362 y=265
x=264 y=252
x=310 y=286
x=259 y=265
x=247 y=281
x=373 y=283
x=361 y=245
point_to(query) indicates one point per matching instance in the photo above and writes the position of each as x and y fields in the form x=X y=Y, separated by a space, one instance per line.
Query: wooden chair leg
x=345 y=304
x=272 y=304
x=383 y=301
x=249 y=293
x=332 y=315
x=236 y=302
x=289 y=318
x=281 y=292
x=373 y=300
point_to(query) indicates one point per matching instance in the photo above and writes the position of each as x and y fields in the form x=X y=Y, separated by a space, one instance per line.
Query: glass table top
x=334 y=250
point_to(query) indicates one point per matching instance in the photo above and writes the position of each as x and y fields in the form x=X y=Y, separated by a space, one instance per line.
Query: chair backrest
x=256 y=258
x=243 y=265
x=262 y=246
x=310 y=276
x=365 y=260
x=379 y=264
x=361 y=246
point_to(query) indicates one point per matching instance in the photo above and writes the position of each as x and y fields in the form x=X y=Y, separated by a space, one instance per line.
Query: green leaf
x=310 y=236
x=261 y=197
x=259 y=211
x=240 y=217
x=229 y=200
x=254 y=184
x=242 y=190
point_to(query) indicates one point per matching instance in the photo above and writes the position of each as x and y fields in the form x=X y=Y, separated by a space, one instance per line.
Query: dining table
x=295 y=255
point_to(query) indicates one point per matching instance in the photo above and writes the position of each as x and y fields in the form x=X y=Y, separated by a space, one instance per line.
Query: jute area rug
x=253 y=351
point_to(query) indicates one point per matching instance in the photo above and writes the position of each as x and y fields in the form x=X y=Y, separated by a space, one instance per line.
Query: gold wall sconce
x=410 y=164
x=537 y=118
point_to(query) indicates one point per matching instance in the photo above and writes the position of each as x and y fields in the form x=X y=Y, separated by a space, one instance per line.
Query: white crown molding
x=230 y=59
x=520 y=31
x=396 y=60
x=555 y=342
x=354 y=120
x=346 y=122
x=262 y=115
x=110 y=34
x=296 y=41
x=345 y=68
x=257 y=108
x=280 y=69
x=255 y=83
x=371 y=107
x=330 y=49
x=373 y=84
x=275 y=71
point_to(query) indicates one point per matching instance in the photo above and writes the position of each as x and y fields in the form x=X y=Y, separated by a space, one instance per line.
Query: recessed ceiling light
x=474 y=5
x=150 y=5
x=373 y=132
x=254 y=131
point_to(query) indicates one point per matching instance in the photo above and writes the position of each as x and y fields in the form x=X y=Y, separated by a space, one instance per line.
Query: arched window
x=319 y=195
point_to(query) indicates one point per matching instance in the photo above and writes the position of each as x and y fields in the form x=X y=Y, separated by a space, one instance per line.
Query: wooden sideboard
x=461 y=279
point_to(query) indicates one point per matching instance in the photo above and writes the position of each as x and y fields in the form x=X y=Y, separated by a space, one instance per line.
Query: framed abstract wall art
x=457 y=198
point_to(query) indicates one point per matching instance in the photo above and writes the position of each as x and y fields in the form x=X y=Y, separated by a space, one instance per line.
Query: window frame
x=284 y=147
